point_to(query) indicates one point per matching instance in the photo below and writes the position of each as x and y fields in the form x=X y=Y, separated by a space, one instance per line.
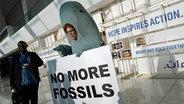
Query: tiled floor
x=152 y=91
x=134 y=91
x=44 y=92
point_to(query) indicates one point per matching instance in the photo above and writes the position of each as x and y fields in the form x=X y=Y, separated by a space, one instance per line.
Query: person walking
x=24 y=74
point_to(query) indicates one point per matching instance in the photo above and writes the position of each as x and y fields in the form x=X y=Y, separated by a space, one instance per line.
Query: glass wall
x=135 y=31
x=24 y=12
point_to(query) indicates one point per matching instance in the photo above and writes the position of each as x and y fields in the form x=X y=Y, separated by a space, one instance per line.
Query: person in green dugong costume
x=80 y=28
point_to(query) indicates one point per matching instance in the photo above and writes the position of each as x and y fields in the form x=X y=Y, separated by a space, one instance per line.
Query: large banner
x=172 y=15
x=88 y=79
x=169 y=47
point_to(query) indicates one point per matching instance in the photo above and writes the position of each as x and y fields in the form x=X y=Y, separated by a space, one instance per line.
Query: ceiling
x=7 y=5
x=100 y=5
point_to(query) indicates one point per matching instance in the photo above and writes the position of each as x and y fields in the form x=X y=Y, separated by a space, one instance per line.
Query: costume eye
x=80 y=11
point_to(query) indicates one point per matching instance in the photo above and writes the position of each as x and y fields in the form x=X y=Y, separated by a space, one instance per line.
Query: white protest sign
x=88 y=79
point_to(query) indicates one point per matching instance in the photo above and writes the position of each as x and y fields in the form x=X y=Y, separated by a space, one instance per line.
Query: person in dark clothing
x=24 y=74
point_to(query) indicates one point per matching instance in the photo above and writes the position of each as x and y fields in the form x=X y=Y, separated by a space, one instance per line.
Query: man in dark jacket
x=24 y=74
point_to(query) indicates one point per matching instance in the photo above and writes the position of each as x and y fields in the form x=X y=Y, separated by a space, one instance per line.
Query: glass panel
x=98 y=19
x=108 y=15
x=115 y=10
x=22 y=19
x=139 y=2
x=127 y=6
